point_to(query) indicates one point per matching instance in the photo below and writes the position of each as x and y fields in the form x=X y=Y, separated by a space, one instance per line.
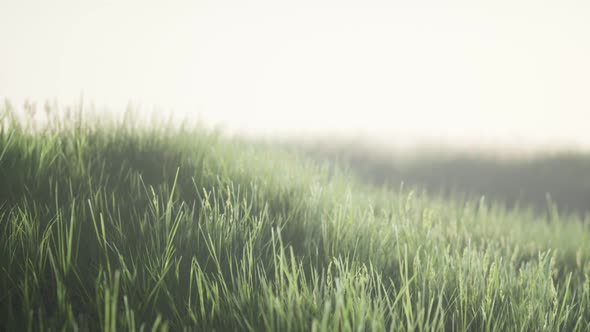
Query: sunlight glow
x=505 y=71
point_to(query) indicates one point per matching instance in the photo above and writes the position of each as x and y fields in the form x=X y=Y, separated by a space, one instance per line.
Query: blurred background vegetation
x=541 y=181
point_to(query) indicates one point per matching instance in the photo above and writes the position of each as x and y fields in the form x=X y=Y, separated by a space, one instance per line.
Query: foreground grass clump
x=113 y=226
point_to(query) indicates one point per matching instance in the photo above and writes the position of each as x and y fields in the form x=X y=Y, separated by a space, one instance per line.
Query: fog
x=506 y=73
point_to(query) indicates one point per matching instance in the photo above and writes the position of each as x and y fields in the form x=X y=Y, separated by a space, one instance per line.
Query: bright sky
x=449 y=70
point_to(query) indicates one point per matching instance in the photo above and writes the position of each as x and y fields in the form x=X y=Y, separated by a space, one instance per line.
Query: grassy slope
x=561 y=178
x=120 y=227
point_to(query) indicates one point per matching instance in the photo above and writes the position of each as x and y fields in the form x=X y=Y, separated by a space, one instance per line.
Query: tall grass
x=110 y=226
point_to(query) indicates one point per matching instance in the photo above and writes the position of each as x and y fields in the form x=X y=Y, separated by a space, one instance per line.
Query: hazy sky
x=472 y=70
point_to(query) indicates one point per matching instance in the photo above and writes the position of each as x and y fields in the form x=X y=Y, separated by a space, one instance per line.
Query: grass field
x=113 y=226
x=527 y=179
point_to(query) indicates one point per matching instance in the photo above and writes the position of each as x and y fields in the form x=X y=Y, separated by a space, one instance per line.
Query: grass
x=536 y=181
x=106 y=225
